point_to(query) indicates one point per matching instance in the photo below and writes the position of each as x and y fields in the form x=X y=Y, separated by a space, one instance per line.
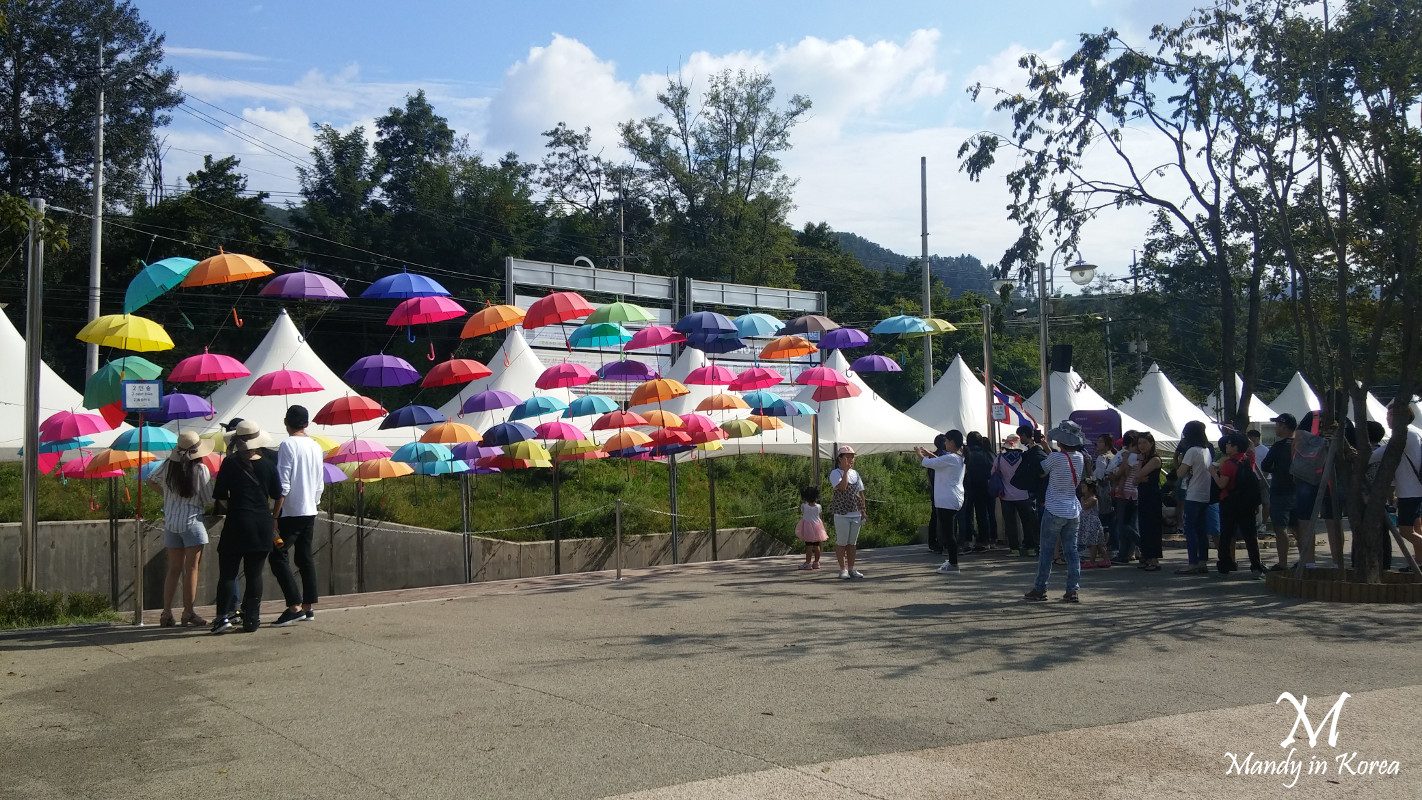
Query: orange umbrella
x=657 y=390
x=491 y=320
x=766 y=423
x=619 y=419
x=623 y=440
x=788 y=347
x=450 y=433
x=225 y=268
x=722 y=402
x=381 y=468
x=110 y=460
x=663 y=419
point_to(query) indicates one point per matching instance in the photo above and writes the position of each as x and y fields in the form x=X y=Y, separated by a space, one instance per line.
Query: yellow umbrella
x=450 y=433
x=382 y=468
x=740 y=428
x=713 y=445
x=126 y=332
x=531 y=451
x=326 y=443
x=573 y=447
x=110 y=460
x=766 y=423
x=936 y=326
x=225 y=268
x=658 y=418
x=219 y=442
x=655 y=391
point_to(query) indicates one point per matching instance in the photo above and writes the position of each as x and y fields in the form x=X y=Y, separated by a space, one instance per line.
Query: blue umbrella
x=902 y=324
x=154 y=439
x=673 y=449
x=601 y=334
x=61 y=445
x=154 y=280
x=761 y=401
x=419 y=452
x=629 y=452
x=749 y=325
x=789 y=408
x=410 y=416
x=714 y=343
x=145 y=471
x=705 y=322
x=590 y=404
x=440 y=467
x=506 y=433
x=403 y=286
x=537 y=406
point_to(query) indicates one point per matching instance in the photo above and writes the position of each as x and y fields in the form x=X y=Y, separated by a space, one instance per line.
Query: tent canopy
x=1160 y=405
x=1297 y=398
x=1259 y=411
x=1070 y=392
x=957 y=401
x=55 y=395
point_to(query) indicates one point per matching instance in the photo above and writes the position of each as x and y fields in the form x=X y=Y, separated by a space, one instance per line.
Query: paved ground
x=744 y=679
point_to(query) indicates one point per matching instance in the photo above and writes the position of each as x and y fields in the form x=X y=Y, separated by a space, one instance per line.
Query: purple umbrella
x=381 y=370
x=705 y=322
x=489 y=400
x=714 y=343
x=332 y=473
x=403 y=286
x=874 y=363
x=303 y=285
x=507 y=433
x=181 y=406
x=630 y=371
x=409 y=416
x=469 y=451
x=841 y=338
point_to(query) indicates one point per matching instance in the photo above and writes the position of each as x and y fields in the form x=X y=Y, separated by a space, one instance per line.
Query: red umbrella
x=425 y=310
x=710 y=375
x=349 y=410
x=823 y=393
x=68 y=425
x=821 y=376
x=561 y=376
x=207 y=367
x=454 y=371
x=653 y=336
x=555 y=308
x=618 y=419
x=667 y=436
x=756 y=378
x=283 y=381
x=113 y=413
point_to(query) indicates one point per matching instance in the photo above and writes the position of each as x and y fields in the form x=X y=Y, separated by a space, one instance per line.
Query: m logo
x=1303 y=720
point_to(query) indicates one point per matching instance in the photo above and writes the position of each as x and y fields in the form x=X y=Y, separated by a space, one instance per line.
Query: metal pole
x=927 y=279
x=1110 y=370
x=1042 y=346
x=508 y=280
x=617 y=528
x=675 y=528
x=360 y=537
x=557 y=526
x=138 y=539
x=621 y=231
x=113 y=543
x=711 y=496
x=34 y=335
x=464 y=526
x=96 y=222
x=987 y=375
x=815 y=448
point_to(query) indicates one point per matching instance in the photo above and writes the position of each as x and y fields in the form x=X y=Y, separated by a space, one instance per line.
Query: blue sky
x=887 y=82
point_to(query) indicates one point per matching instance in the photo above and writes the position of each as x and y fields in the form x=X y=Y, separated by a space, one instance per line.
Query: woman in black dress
x=1149 y=501
x=246 y=484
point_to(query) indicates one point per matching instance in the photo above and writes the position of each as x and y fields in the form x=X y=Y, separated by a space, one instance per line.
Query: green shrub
x=28 y=609
x=86 y=604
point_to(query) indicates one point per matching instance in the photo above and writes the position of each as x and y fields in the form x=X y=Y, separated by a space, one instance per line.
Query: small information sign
x=999 y=412
x=142 y=396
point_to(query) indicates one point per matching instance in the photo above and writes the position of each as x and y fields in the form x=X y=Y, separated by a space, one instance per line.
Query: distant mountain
x=964 y=273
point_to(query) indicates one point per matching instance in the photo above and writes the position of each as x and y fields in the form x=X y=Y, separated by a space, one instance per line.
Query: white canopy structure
x=55 y=394
x=689 y=360
x=1297 y=398
x=1259 y=411
x=1070 y=392
x=1160 y=405
x=956 y=402
x=516 y=370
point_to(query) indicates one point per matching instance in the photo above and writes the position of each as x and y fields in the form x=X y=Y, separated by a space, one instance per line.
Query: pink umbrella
x=822 y=376
x=701 y=428
x=561 y=376
x=558 y=430
x=756 y=378
x=838 y=392
x=68 y=425
x=653 y=336
x=207 y=367
x=425 y=310
x=77 y=467
x=710 y=375
x=358 y=450
x=283 y=381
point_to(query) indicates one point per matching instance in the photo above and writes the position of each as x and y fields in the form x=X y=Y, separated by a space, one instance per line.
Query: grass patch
x=30 y=609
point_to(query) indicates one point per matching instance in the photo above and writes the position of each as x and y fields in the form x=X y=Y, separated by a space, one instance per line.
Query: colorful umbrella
x=113 y=414
x=283 y=382
x=181 y=405
x=155 y=439
x=875 y=363
x=623 y=440
x=757 y=325
x=654 y=336
x=628 y=371
x=349 y=410
x=60 y=446
x=503 y=462
x=507 y=433
x=739 y=428
x=79 y=468
x=657 y=391
x=491 y=319
x=790 y=408
x=715 y=344
x=489 y=400
x=722 y=402
x=576 y=450
x=618 y=419
x=701 y=428
x=706 y=323
x=330 y=473
x=410 y=416
x=537 y=406
x=759 y=400
x=471 y=451
x=713 y=445
x=809 y=323
x=602 y=334
x=902 y=325
x=529 y=450
x=560 y=376
x=756 y=378
x=658 y=418
x=710 y=375
x=110 y=460
x=440 y=467
x=326 y=443
x=788 y=347
x=153 y=280
x=207 y=367
x=126 y=332
x=381 y=370
x=843 y=338
x=621 y=312
x=450 y=433
x=934 y=326
x=358 y=450
x=826 y=393
x=455 y=371
x=670 y=437
x=225 y=268
x=421 y=451
x=821 y=376
x=590 y=404
x=425 y=311
x=303 y=285
x=382 y=468
x=68 y=425
x=555 y=308
x=403 y=286
x=558 y=429
x=106 y=385
x=766 y=422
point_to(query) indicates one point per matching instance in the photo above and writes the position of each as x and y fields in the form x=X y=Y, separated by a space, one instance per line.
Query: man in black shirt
x=1276 y=466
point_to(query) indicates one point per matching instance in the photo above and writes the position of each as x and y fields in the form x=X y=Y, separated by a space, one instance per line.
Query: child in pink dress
x=810 y=529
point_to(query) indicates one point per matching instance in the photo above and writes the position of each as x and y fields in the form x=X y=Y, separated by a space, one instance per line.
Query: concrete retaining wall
x=91 y=556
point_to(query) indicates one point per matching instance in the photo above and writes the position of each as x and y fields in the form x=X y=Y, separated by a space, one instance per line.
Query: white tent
x=516 y=370
x=1259 y=411
x=1070 y=392
x=1160 y=405
x=55 y=394
x=1297 y=398
x=957 y=401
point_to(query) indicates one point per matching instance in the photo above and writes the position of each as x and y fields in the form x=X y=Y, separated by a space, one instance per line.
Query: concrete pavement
x=743 y=679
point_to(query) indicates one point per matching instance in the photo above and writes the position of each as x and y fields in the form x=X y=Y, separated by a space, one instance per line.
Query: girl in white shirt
x=810 y=529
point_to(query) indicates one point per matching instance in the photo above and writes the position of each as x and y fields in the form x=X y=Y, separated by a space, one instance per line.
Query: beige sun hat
x=249 y=435
x=190 y=447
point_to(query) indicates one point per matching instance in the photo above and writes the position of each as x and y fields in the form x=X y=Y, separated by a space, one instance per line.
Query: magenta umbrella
x=207 y=367
x=78 y=467
x=710 y=375
x=68 y=425
x=358 y=450
x=558 y=430
x=821 y=376
x=425 y=310
x=561 y=376
x=282 y=382
x=756 y=378
x=381 y=370
x=653 y=336
x=303 y=286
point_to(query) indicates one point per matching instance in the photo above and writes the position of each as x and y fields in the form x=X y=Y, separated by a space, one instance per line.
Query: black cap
x=230 y=425
x=297 y=417
x=1288 y=419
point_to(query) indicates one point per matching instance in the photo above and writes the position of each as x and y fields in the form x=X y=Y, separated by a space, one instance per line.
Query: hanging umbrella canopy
x=875 y=363
x=450 y=433
x=455 y=371
x=110 y=460
x=760 y=400
x=326 y=443
x=529 y=450
x=440 y=467
x=425 y=311
x=68 y=425
x=503 y=462
x=902 y=325
x=158 y=440
x=561 y=376
x=537 y=406
x=207 y=367
x=715 y=343
x=670 y=437
x=757 y=325
x=590 y=404
x=330 y=473
x=722 y=402
x=421 y=451
x=706 y=323
x=303 y=285
x=381 y=469
x=557 y=429
x=490 y=320
x=225 y=268
x=756 y=378
x=739 y=428
x=79 y=468
x=489 y=400
x=790 y=408
x=654 y=336
x=934 y=326
x=766 y=422
x=106 y=385
x=808 y=324
x=358 y=450
x=628 y=371
x=181 y=405
x=601 y=334
x=349 y=410
x=571 y=450
x=788 y=347
x=555 y=308
x=126 y=332
x=712 y=445
x=283 y=381
x=710 y=375
x=507 y=433
x=618 y=419
x=403 y=286
x=381 y=370
x=410 y=416
x=657 y=391
x=623 y=440
x=839 y=392
x=697 y=425
x=471 y=451
x=61 y=446
x=843 y=338
x=821 y=376
x=153 y=280
x=658 y=418
x=621 y=312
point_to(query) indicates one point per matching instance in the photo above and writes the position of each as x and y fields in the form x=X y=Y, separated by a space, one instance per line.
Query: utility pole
x=96 y=220
x=621 y=230
x=1046 y=420
x=34 y=332
x=927 y=281
x=987 y=376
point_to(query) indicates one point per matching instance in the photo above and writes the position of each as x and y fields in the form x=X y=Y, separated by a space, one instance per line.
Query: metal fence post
x=711 y=498
x=618 y=529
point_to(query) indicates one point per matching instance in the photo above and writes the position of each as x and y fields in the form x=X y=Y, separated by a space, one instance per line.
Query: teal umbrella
x=105 y=387
x=154 y=440
x=602 y=334
x=902 y=324
x=417 y=452
x=154 y=280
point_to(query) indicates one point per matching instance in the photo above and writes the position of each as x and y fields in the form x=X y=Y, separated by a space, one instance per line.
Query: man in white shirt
x=1061 y=512
x=302 y=477
x=947 y=493
x=1406 y=484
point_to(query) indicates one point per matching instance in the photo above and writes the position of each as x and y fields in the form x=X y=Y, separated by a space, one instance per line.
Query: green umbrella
x=106 y=386
x=620 y=312
x=154 y=280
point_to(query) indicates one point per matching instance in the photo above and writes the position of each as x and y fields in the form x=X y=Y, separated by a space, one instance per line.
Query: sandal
x=191 y=619
x=165 y=620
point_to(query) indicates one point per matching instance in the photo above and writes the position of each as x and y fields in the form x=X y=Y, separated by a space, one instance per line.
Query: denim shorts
x=194 y=534
x=1304 y=496
x=1281 y=509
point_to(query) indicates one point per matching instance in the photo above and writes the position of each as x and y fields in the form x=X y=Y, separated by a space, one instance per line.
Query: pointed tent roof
x=1160 y=405
x=1070 y=392
x=55 y=395
x=1259 y=411
x=1297 y=398
x=958 y=401
x=515 y=369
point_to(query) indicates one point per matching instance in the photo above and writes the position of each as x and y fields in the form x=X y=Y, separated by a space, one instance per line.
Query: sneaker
x=948 y=568
x=287 y=617
x=252 y=626
x=1279 y=568
x=1256 y=573
x=1069 y=597
x=1120 y=561
x=978 y=548
x=815 y=565
x=221 y=625
x=844 y=573
x=1035 y=595
x=310 y=614
x=854 y=573
x=805 y=565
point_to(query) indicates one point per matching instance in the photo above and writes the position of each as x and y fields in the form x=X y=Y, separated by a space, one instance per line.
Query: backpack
x=1028 y=476
x=1310 y=451
x=1247 y=492
x=995 y=486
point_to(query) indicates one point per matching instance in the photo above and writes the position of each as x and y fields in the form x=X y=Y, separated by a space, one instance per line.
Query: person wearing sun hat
x=1061 y=511
x=186 y=486
x=246 y=484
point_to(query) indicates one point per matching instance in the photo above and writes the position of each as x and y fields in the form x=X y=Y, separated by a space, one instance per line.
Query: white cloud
x=215 y=55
